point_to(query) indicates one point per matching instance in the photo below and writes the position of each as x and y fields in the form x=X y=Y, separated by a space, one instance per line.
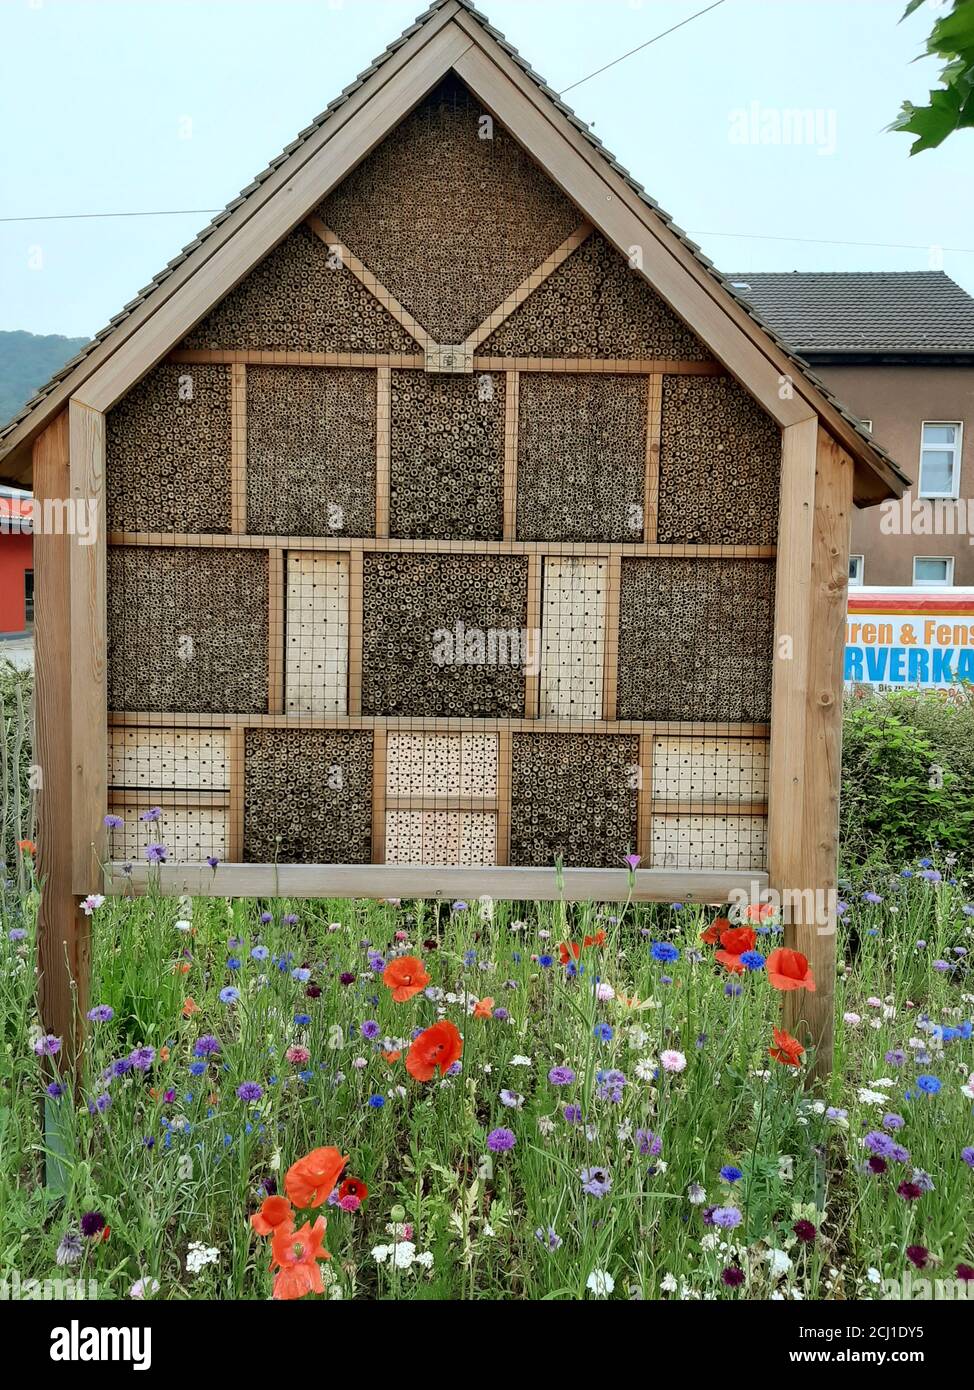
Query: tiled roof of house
x=912 y=311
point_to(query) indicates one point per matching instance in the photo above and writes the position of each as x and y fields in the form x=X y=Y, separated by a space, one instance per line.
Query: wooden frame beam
x=528 y=286
x=375 y=287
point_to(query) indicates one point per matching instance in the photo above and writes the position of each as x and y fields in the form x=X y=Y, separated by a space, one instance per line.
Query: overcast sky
x=136 y=105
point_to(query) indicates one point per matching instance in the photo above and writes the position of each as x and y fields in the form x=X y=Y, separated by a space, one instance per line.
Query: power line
x=655 y=39
x=77 y=216
x=822 y=241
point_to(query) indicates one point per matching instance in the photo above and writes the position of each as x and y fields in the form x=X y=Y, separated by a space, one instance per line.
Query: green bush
x=908 y=776
x=16 y=797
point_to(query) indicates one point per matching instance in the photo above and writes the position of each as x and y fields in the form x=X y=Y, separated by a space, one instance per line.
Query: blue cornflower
x=101 y=1013
x=377 y=1102
x=233 y=962
x=302 y=1020
x=370 y=1029
x=929 y=1084
x=731 y=1174
x=260 y=952
x=229 y=995
x=603 y=1031
x=753 y=960
x=664 y=951
x=546 y=961
x=197 y=1068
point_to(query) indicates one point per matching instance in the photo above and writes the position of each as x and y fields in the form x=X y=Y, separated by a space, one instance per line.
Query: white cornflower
x=874 y=1276
x=668 y=1283
x=143 y=1288
x=183 y=925
x=604 y=992
x=600 y=1283
x=645 y=1069
x=92 y=903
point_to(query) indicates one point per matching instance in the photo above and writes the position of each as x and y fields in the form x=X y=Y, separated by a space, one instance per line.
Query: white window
x=933 y=570
x=940 y=448
x=855 y=569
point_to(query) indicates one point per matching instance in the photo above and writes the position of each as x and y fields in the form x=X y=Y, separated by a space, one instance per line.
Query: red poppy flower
x=737 y=940
x=711 y=935
x=405 y=976
x=295 y=1254
x=391 y=1057
x=788 y=969
x=787 y=1050
x=483 y=1008
x=597 y=940
x=568 y=950
x=311 y=1180
x=275 y=1215
x=353 y=1187
x=439 y=1046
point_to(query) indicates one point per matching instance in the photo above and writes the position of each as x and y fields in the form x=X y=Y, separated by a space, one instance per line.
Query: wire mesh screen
x=441 y=540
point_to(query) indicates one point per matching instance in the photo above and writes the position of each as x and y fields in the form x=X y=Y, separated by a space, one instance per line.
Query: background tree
x=951 y=107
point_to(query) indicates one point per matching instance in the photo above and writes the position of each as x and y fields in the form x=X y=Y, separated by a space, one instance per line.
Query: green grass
x=423 y=1154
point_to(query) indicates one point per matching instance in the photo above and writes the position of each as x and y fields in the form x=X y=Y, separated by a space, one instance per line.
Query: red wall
x=16 y=556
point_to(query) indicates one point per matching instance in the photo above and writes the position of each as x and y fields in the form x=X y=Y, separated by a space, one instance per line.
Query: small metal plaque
x=449 y=358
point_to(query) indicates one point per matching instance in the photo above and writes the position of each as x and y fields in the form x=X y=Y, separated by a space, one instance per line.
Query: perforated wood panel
x=301 y=299
x=709 y=842
x=581 y=469
x=449 y=213
x=696 y=639
x=595 y=305
x=311 y=451
x=190 y=834
x=187 y=630
x=573 y=638
x=168 y=759
x=447 y=462
x=720 y=462
x=167 y=451
x=441 y=837
x=316 y=673
x=710 y=769
x=441 y=765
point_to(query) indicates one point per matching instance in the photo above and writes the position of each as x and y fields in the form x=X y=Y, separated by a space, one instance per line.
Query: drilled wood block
x=441 y=765
x=720 y=465
x=316 y=669
x=187 y=630
x=190 y=834
x=301 y=298
x=696 y=639
x=709 y=842
x=595 y=305
x=308 y=796
x=444 y=635
x=310 y=451
x=441 y=837
x=581 y=465
x=169 y=759
x=573 y=638
x=167 y=452
x=574 y=795
x=710 y=769
x=447 y=456
x=449 y=221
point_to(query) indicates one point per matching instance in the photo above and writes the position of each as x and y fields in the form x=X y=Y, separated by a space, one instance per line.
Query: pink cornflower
x=298 y=1055
x=671 y=1060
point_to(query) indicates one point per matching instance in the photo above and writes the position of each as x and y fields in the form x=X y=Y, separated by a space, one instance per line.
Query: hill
x=27 y=360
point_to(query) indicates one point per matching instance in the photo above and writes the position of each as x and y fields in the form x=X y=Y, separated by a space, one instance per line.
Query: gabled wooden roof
x=451 y=34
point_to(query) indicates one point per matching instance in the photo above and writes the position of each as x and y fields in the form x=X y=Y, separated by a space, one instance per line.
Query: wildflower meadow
x=415 y=1101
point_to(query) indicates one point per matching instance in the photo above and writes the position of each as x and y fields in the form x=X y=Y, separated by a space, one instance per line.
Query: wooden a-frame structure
x=828 y=464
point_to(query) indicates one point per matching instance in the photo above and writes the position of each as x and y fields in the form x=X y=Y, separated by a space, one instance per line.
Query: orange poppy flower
x=27 y=846
x=164 y=1054
x=597 y=940
x=439 y=1046
x=483 y=1008
x=296 y=1255
x=353 y=1187
x=711 y=935
x=788 y=969
x=567 y=950
x=787 y=1050
x=275 y=1215
x=405 y=976
x=311 y=1180
x=190 y=1007
x=391 y=1057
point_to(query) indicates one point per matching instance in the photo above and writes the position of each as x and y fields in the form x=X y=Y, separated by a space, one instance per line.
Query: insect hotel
x=458 y=532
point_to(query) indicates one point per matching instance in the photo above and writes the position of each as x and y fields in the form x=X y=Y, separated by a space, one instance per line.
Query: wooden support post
x=806 y=753
x=511 y=400
x=356 y=601
x=383 y=449
x=276 y=599
x=654 y=425
x=644 y=804
x=236 y=768
x=63 y=944
x=532 y=679
x=380 y=773
x=238 y=449
x=505 y=785
x=610 y=676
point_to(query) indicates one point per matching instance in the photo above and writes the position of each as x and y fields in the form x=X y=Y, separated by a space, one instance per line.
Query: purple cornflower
x=250 y=1090
x=156 y=854
x=54 y=1089
x=113 y=822
x=142 y=1058
x=727 y=1218
x=501 y=1140
x=101 y=1013
x=968 y=1156
x=153 y=814
x=561 y=1076
x=610 y=1085
x=47 y=1046
x=502 y=1015
x=572 y=1114
x=212 y=860
x=879 y=1143
x=872 y=898
x=229 y=995
x=896 y=1057
x=206 y=1046
x=16 y=934
x=893 y=1121
x=549 y=1238
x=370 y=1029
x=596 y=1182
x=649 y=1143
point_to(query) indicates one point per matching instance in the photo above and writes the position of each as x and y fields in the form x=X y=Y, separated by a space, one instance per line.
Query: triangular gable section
x=450 y=37
x=594 y=305
x=301 y=299
x=449 y=213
